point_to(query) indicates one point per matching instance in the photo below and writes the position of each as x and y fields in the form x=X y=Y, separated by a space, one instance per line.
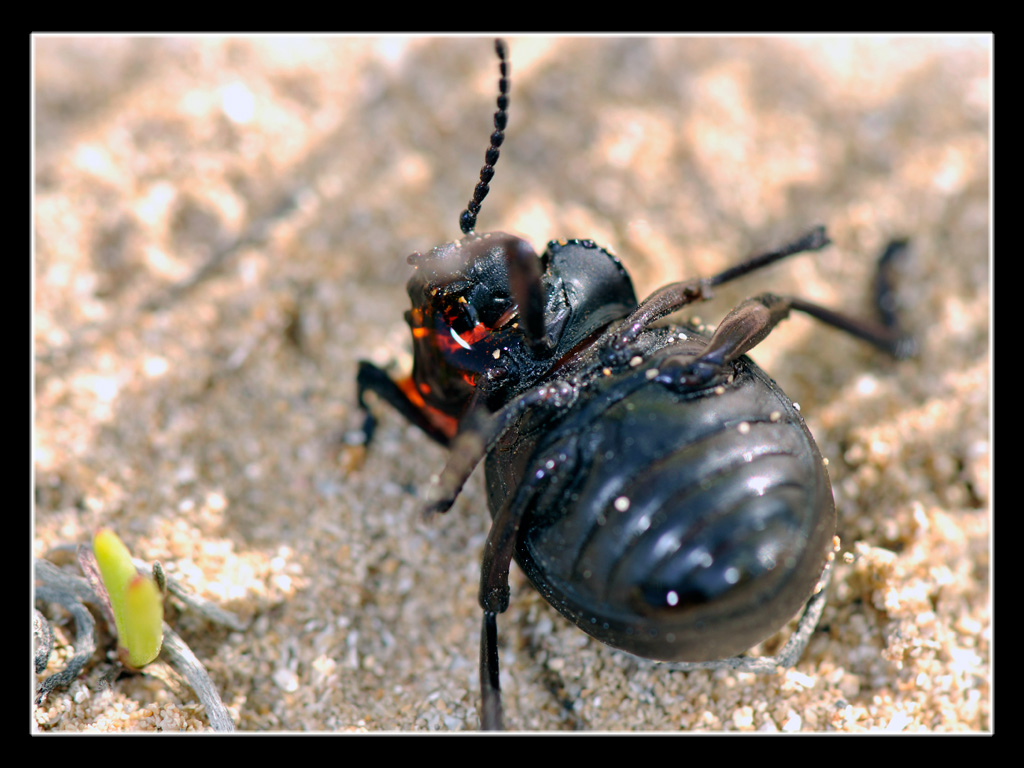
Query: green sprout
x=134 y=598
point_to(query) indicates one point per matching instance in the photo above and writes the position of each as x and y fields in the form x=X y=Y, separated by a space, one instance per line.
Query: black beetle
x=655 y=486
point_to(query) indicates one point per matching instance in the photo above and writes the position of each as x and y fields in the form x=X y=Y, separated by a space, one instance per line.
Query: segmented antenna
x=468 y=218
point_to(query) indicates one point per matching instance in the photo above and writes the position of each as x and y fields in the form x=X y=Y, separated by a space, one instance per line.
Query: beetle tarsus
x=491 y=718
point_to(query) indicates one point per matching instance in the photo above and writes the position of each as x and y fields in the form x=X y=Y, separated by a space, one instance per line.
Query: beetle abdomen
x=676 y=525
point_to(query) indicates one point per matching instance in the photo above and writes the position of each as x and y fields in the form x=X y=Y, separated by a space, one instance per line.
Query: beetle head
x=464 y=318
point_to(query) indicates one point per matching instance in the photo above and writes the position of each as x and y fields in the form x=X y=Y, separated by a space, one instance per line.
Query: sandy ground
x=221 y=227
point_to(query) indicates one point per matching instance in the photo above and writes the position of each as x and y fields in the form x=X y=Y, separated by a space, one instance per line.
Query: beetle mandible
x=655 y=486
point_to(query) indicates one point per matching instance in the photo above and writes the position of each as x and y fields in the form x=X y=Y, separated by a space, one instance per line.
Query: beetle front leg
x=479 y=432
x=373 y=379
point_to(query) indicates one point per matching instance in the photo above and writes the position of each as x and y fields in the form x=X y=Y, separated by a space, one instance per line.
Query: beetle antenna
x=468 y=218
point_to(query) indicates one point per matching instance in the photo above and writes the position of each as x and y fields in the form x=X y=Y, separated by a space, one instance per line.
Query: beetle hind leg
x=675 y=296
x=741 y=330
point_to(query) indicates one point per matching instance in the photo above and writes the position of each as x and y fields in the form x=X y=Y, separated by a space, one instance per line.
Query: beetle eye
x=498 y=313
x=460 y=316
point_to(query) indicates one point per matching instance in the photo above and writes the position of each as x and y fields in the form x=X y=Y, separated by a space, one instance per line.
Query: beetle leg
x=741 y=330
x=494 y=595
x=791 y=652
x=898 y=342
x=675 y=296
x=467 y=450
x=479 y=431
x=749 y=323
x=890 y=340
x=478 y=435
x=886 y=334
x=662 y=302
x=490 y=684
x=886 y=301
x=372 y=379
